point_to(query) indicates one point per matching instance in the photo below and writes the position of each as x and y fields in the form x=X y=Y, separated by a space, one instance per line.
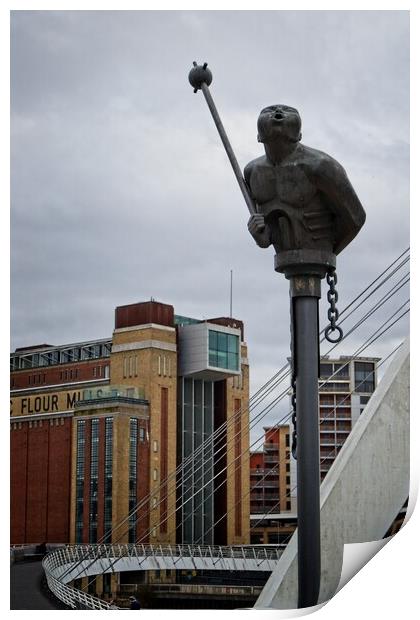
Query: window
x=326 y=371
x=108 y=480
x=364 y=376
x=223 y=350
x=155 y=445
x=80 y=474
x=94 y=475
x=132 y=497
x=341 y=371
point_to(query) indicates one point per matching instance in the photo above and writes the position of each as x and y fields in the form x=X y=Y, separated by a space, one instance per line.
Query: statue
x=303 y=204
x=306 y=206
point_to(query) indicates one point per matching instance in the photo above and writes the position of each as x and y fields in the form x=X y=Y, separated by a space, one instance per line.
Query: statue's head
x=279 y=122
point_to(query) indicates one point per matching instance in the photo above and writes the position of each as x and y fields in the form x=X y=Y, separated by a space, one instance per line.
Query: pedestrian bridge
x=73 y=562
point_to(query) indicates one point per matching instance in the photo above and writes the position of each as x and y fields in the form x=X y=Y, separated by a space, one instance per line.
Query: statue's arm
x=256 y=223
x=331 y=179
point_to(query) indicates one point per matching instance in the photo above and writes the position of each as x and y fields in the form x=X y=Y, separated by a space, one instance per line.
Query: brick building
x=345 y=387
x=271 y=521
x=100 y=427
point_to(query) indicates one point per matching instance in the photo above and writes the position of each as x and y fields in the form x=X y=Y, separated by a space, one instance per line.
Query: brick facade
x=40 y=480
x=135 y=380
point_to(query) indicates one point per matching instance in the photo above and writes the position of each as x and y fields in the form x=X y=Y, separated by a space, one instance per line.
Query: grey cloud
x=121 y=189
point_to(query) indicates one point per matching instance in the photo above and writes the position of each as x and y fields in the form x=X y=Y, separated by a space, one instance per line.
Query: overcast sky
x=121 y=189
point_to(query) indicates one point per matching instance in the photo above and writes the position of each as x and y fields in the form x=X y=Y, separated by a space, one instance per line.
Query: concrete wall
x=363 y=491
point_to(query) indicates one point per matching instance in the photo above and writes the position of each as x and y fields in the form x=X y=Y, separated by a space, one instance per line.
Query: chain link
x=333 y=314
x=294 y=433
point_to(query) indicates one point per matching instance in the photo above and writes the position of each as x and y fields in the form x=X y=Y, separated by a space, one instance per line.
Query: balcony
x=263 y=472
x=335 y=387
x=264 y=509
x=271 y=458
x=111 y=394
x=264 y=484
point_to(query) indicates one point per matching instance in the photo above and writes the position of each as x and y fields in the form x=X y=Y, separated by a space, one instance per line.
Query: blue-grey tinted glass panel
x=223 y=350
x=197 y=471
x=233 y=344
x=212 y=339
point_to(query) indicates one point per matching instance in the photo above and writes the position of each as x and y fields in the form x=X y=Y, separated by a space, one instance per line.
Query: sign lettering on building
x=43 y=403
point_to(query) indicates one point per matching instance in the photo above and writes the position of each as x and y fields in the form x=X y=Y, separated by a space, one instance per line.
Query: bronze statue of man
x=303 y=204
x=307 y=208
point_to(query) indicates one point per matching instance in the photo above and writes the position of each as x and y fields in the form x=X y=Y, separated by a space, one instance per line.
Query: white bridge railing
x=72 y=562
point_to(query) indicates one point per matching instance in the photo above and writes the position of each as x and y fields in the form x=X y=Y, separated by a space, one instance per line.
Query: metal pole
x=231 y=291
x=200 y=78
x=306 y=364
x=229 y=151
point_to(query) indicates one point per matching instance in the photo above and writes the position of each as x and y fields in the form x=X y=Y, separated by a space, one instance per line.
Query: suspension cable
x=368 y=342
x=274 y=378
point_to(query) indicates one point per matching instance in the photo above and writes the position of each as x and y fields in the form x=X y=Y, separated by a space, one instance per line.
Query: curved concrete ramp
x=363 y=491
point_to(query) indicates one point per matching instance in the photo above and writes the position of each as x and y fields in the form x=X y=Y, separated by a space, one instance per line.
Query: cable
x=383 y=361
x=263 y=396
x=271 y=380
x=368 y=342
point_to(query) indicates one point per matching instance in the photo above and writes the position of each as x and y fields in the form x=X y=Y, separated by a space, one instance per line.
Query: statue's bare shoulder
x=318 y=164
x=259 y=162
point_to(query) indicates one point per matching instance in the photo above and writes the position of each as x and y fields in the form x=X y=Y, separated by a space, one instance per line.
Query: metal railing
x=60 y=564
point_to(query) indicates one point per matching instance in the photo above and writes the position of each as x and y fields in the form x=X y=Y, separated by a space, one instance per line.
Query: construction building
x=345 y=387
x=271 y=519
x=103 y=427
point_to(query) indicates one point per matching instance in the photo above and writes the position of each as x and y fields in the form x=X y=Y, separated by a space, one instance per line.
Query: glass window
x=94 y=474
x=364 y=376
x=341 y=371
x=326 y=371
x=108 y=480
x=223 y=350
x=212 y=340
x=232 y=344
x=132 y=480
x=222 y=341
x=80 y=474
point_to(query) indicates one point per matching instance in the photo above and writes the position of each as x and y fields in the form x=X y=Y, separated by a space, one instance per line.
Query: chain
x=333 y=313
x=294 y=434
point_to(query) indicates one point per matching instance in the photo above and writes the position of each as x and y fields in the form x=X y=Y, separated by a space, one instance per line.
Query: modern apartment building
x=99 y=428
x=345 y=386
x=270 y=488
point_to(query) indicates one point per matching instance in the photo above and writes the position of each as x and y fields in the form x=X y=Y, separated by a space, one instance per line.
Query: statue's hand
x=259 y=230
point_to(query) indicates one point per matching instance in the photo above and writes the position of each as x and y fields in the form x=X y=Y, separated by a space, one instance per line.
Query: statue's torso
x=294 y=209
